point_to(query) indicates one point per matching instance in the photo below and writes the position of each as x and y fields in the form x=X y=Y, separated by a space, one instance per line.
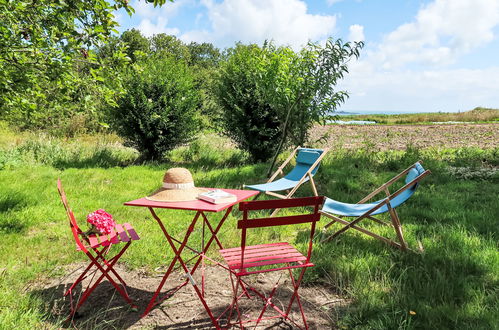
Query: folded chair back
x=75 y=229
x=309 y=217
x=304 y=160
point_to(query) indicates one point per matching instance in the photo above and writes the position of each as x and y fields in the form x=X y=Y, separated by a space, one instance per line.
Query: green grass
x=453 y=284
x=477 y=115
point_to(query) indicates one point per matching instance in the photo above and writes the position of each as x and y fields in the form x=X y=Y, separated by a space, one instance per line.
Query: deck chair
x=97 y=247
x=307 y=164
x=263 y=258
x=363 y=210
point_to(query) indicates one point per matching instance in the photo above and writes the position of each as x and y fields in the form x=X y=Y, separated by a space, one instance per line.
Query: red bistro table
x=201 y=207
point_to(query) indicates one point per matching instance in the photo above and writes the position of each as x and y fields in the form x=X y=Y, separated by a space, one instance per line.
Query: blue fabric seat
x=304 y=161
x=356 y=210
x=361 y=210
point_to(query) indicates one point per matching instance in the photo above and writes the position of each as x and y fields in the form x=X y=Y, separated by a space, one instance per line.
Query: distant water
x=353 y=122
x=377 y=112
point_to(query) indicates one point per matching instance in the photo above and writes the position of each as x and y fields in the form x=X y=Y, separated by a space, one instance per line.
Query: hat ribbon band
x=187 y=185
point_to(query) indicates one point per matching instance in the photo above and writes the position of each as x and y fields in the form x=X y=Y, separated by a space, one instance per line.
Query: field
x=477 y=115
x=452 y=284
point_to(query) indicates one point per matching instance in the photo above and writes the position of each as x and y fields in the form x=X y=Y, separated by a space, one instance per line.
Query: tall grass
x=453 y=284
x=477 y=115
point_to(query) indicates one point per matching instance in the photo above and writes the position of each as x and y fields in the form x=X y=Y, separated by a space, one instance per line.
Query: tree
x=135 y=42
x=42 y=43
x=168 y=45
x=289 y=90
x=158 y=112
x=247 y=115
x=204 y=55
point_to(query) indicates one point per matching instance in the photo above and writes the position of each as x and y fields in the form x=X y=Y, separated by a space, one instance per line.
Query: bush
x=158 y=111
x=247 y=117
x=271 y=96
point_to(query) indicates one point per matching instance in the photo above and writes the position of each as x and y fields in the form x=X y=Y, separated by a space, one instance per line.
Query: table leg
x=175 y=259
x=179 y=259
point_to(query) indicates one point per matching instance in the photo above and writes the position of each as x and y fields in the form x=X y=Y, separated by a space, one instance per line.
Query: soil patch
x=398 y=137
x=105 y=307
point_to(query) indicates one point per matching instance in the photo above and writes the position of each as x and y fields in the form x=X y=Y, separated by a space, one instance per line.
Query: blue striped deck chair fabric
x=367 y=210
x=307 y=164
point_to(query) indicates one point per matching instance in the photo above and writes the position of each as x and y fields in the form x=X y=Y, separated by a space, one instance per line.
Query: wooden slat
x=252 y=247
x=267 y=263
x=256 y=253
x=131 y=231
x=113 y=238
x=280 y=221
x=266 y=258
x=104 y=240
x=123 y=236
x=282 y=203
x=93 y=241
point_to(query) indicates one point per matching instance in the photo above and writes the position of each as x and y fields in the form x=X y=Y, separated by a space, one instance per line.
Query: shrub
x=247 y=117
x=271 y=96
x=158 y=111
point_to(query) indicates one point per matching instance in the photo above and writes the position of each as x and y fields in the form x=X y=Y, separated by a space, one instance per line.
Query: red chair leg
x=104 y=273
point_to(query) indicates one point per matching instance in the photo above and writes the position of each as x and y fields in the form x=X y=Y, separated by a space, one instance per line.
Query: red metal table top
x=196 y=205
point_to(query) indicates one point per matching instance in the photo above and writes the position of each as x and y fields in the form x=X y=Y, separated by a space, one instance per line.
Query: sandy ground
x=398 y=137
x=183 y=310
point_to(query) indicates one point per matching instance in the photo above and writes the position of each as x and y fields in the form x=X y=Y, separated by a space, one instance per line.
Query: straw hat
x=178 y=186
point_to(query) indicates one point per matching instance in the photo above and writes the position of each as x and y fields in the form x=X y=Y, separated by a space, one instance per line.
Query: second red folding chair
x=97 y=247
x=263 y=258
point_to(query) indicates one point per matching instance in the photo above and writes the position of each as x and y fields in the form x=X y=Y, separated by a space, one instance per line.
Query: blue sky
x=419 y=55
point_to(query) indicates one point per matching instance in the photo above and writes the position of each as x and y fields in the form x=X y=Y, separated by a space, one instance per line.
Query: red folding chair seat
x=263 y=258
x=97 y=247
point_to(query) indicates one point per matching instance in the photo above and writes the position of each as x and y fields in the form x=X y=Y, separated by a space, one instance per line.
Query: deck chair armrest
x=281 y=168
x=387 y=184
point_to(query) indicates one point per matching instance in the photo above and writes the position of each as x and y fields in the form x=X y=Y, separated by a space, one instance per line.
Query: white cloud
x=408 y=70
x=356 y=33
x=284 y=21
x=441 y=32
x=149 y=28
x=431 y=90
x=332 y=2
x=155 y=20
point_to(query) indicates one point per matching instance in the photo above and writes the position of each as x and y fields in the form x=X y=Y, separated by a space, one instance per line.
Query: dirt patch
x=106 y=308
x=398 y=137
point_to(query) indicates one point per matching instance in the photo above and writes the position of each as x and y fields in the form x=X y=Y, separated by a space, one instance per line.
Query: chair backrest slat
x=278 y=221
x=75 y=229
x=281 y=203
x=309 y=217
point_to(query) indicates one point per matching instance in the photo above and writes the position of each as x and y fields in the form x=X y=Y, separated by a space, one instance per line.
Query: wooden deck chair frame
x=100 y=246
x=395 y=220
x=280 y=171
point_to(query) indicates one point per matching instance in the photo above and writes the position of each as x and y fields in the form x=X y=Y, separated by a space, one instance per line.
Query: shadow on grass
x=445 y=287
x=9 y=224
x=102 y=158
x=12 y=201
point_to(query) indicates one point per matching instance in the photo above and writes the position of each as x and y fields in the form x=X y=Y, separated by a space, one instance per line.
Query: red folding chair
x=97 y=247
x=255 y=259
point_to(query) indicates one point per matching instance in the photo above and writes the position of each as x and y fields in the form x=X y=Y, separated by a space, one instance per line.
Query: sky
x=419 y=55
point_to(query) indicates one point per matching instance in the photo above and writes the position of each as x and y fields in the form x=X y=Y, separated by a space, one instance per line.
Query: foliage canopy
x=271 y=96
x=158 y=112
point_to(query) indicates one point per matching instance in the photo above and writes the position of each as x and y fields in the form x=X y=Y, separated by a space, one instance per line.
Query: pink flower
x=101 y=220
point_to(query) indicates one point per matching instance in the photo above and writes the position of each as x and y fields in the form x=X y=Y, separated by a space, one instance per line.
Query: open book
x=217 y=196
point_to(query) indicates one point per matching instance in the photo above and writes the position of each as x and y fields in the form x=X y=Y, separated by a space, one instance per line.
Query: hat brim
x=176 y=195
